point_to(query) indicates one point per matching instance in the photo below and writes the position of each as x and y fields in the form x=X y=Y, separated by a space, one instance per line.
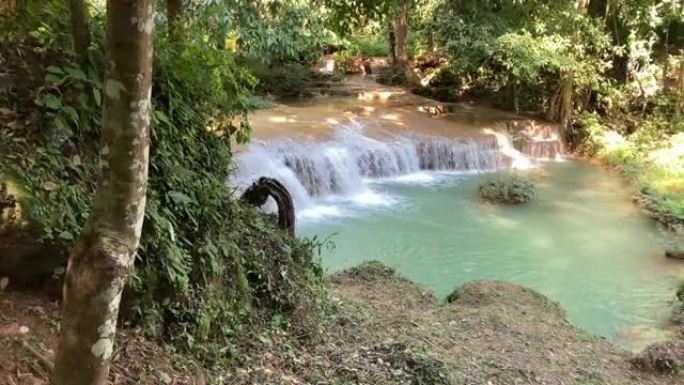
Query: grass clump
x=509 y=188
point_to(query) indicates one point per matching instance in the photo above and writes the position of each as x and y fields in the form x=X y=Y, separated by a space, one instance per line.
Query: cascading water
x=341 y=167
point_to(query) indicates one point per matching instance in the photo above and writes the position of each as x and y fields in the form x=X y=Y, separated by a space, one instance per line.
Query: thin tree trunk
x=680 y=87
x=392 y=45
x=103 y=258
x=400 y=33
x=666 y=54
x=174 y=13
x=79 y=26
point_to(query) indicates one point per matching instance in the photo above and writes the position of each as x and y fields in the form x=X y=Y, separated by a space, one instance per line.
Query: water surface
x=581 y=242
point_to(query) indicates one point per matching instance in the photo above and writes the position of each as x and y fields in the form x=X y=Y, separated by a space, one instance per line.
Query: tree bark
x=597 y=8
x=103 y=257
x=174 y=13
x=400 y=34
x=79 y=26
x=680 y=87
x=561 y=105
x=257 y=194
x=392 y=45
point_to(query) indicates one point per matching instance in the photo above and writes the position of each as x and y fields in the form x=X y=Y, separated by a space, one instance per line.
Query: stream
x=407 y=196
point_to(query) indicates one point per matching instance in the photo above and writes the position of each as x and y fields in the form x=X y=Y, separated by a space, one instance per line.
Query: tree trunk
x=174 y=13
x=400 y=34
x=680 y=87
x=257 y=194
x=597 y=8
x=392 y=45
x=79 y=26
x=561 y=105
x=103 y=258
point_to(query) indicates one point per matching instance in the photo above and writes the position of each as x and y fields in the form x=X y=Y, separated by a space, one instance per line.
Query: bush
x=508 y=188
x=288 y=79
x=209 y=269
x=368 y=45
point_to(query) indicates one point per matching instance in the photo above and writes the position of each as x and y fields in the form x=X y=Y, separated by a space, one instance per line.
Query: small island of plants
x=509 y=188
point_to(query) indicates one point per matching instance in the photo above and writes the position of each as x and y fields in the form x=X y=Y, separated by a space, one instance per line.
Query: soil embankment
x=380 y=329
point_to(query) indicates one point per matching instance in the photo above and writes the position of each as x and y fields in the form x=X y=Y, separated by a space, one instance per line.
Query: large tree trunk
x=561 y=105
x=103 y=258
x=174 y=13
x=79 y=26
x=400 y=34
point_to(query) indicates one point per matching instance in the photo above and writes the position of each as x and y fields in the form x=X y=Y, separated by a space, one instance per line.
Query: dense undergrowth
x=648 y=148
x=209 y=268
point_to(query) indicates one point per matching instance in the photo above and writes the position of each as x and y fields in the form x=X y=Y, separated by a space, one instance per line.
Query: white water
x=321 y=174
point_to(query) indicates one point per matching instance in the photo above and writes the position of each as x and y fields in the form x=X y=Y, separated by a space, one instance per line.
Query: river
x=393 y=184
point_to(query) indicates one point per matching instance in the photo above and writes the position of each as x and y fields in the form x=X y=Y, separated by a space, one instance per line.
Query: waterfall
x=339 y=167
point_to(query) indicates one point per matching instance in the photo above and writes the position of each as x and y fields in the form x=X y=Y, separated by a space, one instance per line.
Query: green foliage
x=369 y=42
x=649 y=151
x=288 y=79
x=510 y=188
x=271 y=32
x=518 y=49
x=209 y=269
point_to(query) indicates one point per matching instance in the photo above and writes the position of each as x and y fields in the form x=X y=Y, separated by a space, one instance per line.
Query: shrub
x=368 y=45
x=508 y=188
x=209 y=268
x=288 y=79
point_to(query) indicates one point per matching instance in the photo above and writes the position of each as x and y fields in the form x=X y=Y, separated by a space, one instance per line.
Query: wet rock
x=662 y=358
x=538 y=140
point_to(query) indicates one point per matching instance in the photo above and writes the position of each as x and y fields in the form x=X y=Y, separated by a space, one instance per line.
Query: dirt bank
x=380 y=329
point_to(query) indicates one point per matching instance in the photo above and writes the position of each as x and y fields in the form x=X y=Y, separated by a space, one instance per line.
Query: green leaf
x=62 y=126
x=52 y=78
x=73 y=115
x=55 y=70
x=179 y=197
x=97 y=95
x=77 y=73
x=65 y=235
x=161 y=116
x=52 y=102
